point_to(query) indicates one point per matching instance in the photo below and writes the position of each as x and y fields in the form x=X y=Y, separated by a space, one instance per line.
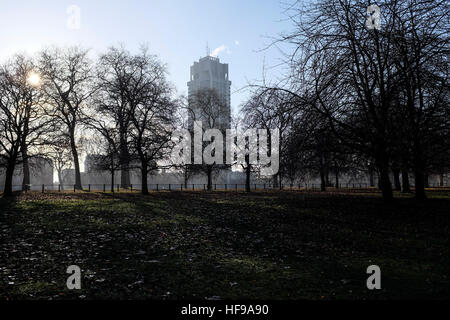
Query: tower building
x=208 y=72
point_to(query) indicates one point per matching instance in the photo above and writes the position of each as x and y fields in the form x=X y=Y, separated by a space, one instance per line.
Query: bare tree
x=68 y=83
x=342 y=70
x=421 y=43
x=22 y=119
x=122 y=78
x=152 y=118
x=375 y=86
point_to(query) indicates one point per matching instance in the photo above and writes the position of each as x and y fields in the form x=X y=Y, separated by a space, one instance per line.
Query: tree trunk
x=247 y=176
x=112 y=180
x=125 y=180
x=77 y=170
x=322 y=180
x=8 y=191
x=124 y=162
x=405 y=182
x=60 y=179
x=144 y=173
x=275 y=181
x=26 y=169
x=76 y=161
x=385 y=183
x=24 y=151
x=186 y=178
x=397 y=184
x=9 y=174
x=209 y=174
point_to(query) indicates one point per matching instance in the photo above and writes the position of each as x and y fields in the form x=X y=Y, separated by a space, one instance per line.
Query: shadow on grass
x=265 y=245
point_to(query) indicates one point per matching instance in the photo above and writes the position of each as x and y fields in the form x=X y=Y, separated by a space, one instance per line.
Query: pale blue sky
x=175 y=30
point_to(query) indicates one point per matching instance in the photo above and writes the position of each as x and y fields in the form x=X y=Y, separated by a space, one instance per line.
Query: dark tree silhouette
x=23 y=122
x=68 y=83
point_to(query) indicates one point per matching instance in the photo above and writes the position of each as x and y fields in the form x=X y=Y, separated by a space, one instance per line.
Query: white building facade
x=210 y=73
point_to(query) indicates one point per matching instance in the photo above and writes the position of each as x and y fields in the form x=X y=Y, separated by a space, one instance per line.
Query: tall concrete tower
x=208 y=72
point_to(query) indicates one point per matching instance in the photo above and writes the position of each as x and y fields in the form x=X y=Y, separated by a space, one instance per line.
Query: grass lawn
x=227 y=245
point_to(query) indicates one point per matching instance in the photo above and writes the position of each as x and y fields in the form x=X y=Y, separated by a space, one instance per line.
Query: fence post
x=255 y=186
x=225 y=187
x=235 y=187
x=170 y=188
x=43 y=188
x=215 y=186
x=204 y=187
x=193 y=187
x=89 y=187
x=118 y=187
x=59 y=188
x=131 y=187
x=74 y=190
x=181 y=186
x=104 y=187
x=157 y=187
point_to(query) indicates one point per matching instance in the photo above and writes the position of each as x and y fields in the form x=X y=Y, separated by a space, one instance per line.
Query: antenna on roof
x=208 y=52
